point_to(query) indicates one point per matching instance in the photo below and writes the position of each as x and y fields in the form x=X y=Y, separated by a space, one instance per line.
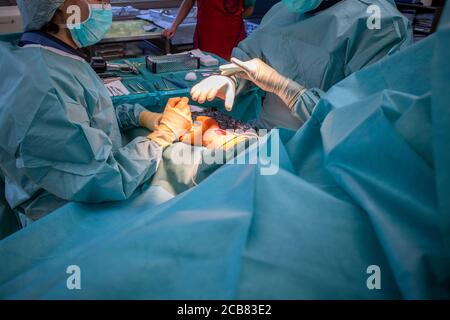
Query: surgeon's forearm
x=137 y=162
x=288 y=90
x=92 y=171
x=149 y=120
x=304 y=103
x=185 y=8
x=128 y=116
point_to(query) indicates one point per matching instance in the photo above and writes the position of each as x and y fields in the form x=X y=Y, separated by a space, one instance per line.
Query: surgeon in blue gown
x=61 y=136
x=315 y=43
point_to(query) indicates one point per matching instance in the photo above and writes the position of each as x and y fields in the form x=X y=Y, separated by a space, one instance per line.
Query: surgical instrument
x=137 y=87
x=176 y=83
x=134 y=69
x=100 y=65
x=172 y=63
x=109 y=80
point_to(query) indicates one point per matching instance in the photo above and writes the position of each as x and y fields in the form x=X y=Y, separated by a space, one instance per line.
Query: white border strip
x=54 y=50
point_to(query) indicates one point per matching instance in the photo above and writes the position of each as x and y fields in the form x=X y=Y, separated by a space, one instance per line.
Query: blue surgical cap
x=36 y=13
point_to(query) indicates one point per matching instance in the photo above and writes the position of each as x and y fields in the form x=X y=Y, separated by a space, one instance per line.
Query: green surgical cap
x=36 y=13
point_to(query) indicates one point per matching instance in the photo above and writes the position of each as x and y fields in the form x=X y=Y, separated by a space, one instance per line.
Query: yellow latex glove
x=265 y=77
x=175 y=122
x=149 y=120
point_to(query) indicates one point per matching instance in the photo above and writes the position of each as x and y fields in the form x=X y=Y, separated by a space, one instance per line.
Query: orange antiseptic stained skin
x=207 y=124
x=212 y=135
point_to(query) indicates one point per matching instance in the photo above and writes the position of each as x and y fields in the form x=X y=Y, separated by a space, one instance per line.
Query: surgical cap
x=36 y=13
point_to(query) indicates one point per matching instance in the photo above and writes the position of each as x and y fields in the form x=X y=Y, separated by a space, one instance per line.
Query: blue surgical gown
x=61 y=137
x=319 y=50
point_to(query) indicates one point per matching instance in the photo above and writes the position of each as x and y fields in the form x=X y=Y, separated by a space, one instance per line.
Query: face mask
x=94 y=28
x=301 y=6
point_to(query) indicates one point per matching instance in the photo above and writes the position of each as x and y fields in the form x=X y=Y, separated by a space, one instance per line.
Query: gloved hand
x=215 y=86
x=149 y=120
x=266 y=78
x=175 y=122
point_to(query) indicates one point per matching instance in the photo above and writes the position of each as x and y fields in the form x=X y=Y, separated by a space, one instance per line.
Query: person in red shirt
x=220 y=24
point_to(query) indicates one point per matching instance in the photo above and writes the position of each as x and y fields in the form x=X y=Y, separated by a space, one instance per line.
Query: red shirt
x=220 y=26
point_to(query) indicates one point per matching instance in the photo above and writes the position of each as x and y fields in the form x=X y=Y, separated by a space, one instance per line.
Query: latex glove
x=170 y=32
x=266 y=78
x=149 y=120
x=215 y=86
x=175 y=122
